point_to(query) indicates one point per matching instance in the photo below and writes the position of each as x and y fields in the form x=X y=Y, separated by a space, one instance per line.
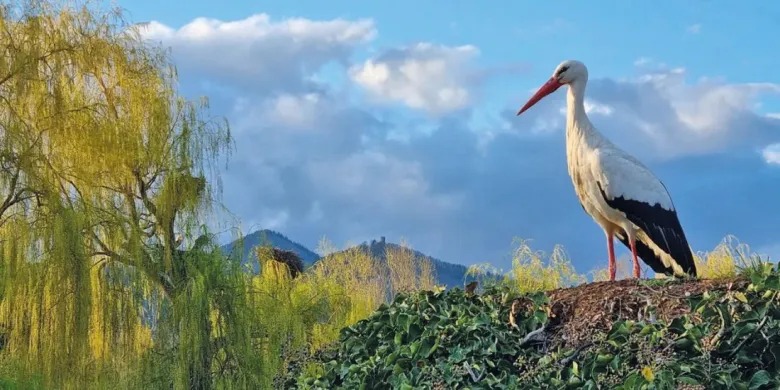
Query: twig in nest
x=573 y=356
x=647 y=310
x=742 y=343
x=672 y=343
x=533 y=335
x=474 y=377
x=722 y=331
x=611 y=305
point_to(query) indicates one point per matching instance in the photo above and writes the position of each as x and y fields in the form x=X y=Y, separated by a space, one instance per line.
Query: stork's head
x=567 y=72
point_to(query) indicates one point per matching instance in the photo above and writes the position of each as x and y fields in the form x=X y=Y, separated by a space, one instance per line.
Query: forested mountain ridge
x=448 y=274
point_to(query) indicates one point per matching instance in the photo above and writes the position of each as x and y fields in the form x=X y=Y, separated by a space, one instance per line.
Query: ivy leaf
x=687 y=380
x=760 y=378
x=741 y=296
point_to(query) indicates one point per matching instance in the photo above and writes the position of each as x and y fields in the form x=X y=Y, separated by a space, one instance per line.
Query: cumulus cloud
x=694 y=28
x=642 y=61
x=771 y=154
x=384 y=184
x=315 y=160
x=261 y=54
x=434 y=78
x=328 y=166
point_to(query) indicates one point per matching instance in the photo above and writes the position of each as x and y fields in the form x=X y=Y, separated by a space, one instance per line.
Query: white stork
x=617 y=190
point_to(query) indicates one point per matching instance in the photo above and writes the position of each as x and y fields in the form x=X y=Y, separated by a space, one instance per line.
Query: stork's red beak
x=549 y=87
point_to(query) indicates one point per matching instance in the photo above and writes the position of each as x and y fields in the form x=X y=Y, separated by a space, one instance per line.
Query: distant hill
x=448 y=274
x=274 y=239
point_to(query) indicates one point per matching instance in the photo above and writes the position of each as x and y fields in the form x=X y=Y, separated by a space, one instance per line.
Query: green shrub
x=728 y=340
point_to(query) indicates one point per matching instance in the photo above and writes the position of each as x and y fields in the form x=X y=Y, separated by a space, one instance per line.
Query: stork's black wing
x=662 y=226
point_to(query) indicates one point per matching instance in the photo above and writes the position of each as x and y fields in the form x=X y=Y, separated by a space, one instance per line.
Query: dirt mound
x=578 y=313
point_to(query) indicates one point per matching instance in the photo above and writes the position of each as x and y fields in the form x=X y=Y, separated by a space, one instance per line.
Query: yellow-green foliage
x=726 y=260
x=102 y=163
x=530 y=272
x=408 y=273
x=309 y=311
x=536 y=271
x=357 y=272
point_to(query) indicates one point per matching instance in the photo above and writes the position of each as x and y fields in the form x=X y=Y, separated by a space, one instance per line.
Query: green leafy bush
x=435 y=339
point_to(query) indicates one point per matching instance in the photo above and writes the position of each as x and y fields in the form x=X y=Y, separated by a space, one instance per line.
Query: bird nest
x=579 y=313
x=287 y=257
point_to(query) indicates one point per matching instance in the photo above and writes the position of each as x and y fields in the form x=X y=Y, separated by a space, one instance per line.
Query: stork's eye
x=565 y=68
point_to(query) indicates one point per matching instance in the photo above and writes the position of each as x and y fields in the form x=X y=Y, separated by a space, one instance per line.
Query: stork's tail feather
x=682 y=256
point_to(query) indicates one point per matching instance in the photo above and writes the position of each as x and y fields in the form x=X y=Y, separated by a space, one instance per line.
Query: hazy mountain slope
x=448 y=274
x=275 y=239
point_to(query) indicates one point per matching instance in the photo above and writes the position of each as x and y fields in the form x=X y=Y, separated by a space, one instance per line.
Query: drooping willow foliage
x=303 y=315
x=102 y=164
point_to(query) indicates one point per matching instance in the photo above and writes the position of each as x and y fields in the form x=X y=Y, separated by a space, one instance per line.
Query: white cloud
x=694 y=29
x=642 y=61
x=257 y=52
x=330 y=166
x=380 y=182
x=429 y=77
x=241 y=33
x=295 y=112
x=648 y=64
x=289 y=130
x=771 y=154
x=274 y=219
x=593 y=108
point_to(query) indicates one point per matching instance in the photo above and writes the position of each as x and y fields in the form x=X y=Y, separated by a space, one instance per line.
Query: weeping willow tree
x=304 y=314
x=102 y=165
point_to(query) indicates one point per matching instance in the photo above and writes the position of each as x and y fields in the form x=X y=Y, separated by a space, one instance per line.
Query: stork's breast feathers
x=620 y=175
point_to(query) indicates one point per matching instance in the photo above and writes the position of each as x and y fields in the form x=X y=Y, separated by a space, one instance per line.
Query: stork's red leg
x=636 y=261
x=611 y=250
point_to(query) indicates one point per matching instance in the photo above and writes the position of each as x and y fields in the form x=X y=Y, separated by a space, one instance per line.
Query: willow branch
x=18 y=69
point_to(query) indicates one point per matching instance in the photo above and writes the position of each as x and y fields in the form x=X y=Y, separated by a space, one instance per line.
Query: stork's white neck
x=576 y=117
x=580 y=134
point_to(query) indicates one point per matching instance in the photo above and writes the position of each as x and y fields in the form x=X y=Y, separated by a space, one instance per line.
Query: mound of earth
x=629 y=334
x=580 y=312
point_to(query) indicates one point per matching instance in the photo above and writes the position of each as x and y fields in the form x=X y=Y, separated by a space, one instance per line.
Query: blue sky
x=361 y=119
